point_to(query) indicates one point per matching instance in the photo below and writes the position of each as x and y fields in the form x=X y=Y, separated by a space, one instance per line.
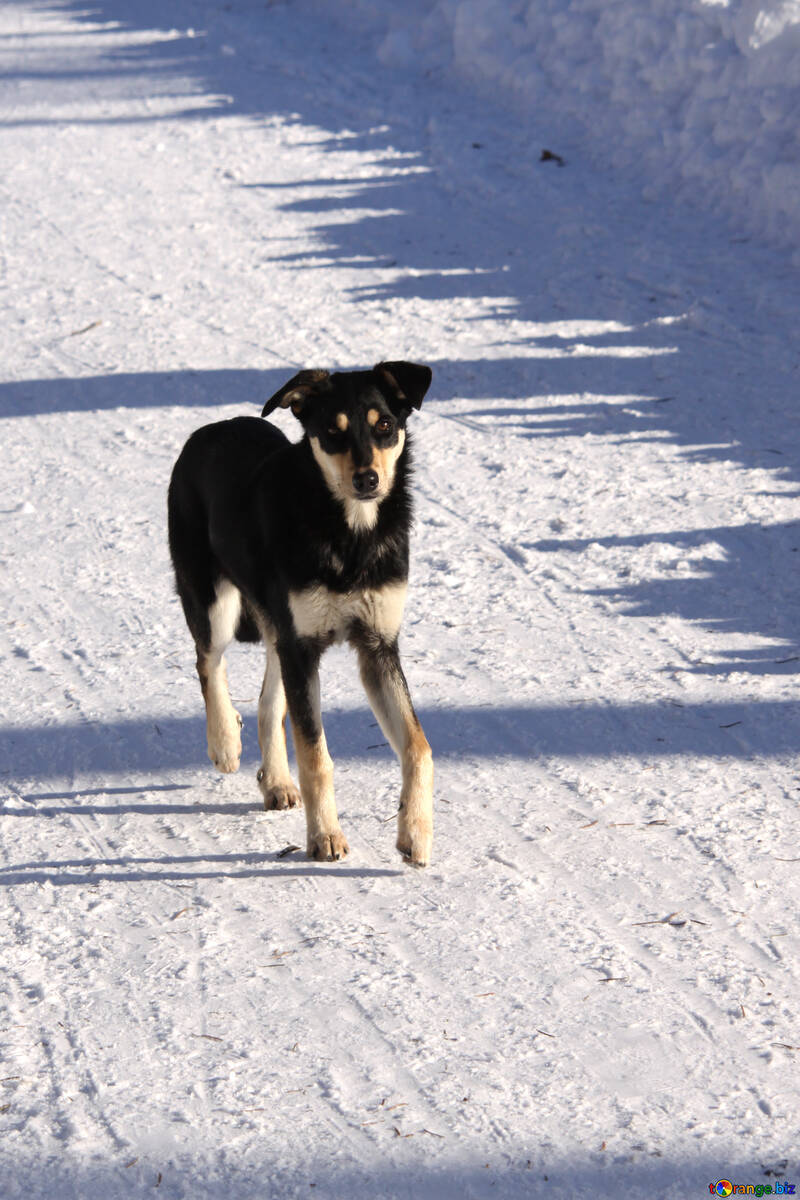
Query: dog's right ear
x=404 y=384
x=297 y=391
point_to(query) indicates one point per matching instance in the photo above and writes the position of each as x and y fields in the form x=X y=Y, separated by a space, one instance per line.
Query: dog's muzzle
x=365 y=484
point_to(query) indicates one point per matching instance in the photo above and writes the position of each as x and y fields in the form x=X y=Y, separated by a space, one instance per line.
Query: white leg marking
x=392 y=706
x=223 y=722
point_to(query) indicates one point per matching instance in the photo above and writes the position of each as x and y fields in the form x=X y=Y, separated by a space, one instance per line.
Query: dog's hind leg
x=223 y=723
x=299 y=667
x=273 y=775
x=387 y=690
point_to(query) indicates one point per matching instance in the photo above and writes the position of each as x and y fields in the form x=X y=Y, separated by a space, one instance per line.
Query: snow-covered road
x=594 y=990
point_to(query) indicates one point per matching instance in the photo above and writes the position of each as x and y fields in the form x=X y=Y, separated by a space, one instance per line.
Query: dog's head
x=355 y=422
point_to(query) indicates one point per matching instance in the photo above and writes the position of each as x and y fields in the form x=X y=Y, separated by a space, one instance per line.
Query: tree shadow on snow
x=727 y=579
x=156 y=389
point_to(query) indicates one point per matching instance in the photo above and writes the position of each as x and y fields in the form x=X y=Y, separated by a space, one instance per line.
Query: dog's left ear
x=404 y=383
x=297 y=391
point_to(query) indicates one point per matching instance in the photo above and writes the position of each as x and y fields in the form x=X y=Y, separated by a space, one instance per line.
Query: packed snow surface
x=594 y=989
x=695 y=98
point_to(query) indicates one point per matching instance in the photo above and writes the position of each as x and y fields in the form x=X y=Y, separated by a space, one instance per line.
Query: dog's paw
x=225 y=755
x=278 y=796
x=225 y=758
x=325 y=847
x=225 y=744
x=415 y=842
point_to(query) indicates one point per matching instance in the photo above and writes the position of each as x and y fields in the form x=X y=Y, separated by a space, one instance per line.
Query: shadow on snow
x=584 y=730
x=517 y=1171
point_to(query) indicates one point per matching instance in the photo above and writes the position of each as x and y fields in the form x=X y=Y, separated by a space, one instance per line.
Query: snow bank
x=704 y=95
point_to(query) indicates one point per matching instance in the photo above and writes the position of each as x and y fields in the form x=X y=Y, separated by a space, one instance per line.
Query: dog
x=300 y=545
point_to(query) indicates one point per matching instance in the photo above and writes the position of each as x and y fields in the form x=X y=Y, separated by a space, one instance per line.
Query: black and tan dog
x=302 y=544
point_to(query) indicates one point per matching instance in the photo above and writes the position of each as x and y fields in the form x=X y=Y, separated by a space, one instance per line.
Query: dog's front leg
x=386 y=687
x=299 y=660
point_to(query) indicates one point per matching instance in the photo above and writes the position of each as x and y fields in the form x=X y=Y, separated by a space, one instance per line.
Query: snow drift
x=702 y=95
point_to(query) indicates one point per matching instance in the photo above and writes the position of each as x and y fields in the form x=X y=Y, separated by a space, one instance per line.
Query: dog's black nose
x=365 y=483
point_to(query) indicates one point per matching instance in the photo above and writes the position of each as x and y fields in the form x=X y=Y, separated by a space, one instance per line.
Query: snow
x=696 y=99
x=593 y=990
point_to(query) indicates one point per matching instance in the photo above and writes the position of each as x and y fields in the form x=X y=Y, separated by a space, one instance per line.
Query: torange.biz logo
x=724 y=1187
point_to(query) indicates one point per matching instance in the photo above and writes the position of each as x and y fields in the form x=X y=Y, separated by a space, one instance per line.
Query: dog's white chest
x=318 y=612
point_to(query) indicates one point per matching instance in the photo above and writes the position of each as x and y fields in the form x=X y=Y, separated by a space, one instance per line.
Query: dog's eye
x=385 y=425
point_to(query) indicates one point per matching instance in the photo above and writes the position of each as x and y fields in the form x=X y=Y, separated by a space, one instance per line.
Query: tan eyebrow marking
x=342 y=421
x=373 y=416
